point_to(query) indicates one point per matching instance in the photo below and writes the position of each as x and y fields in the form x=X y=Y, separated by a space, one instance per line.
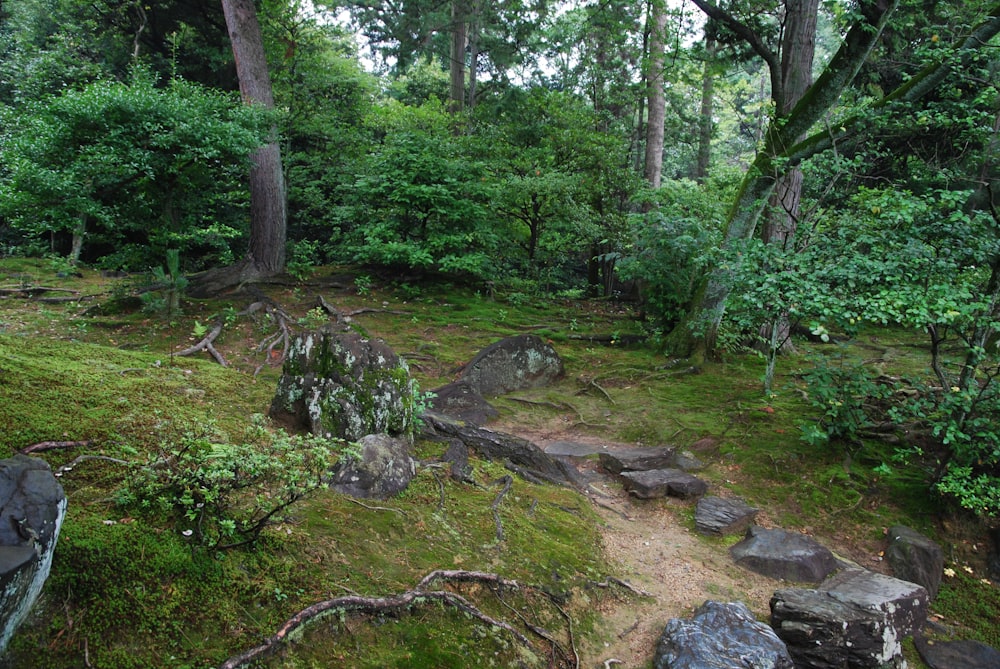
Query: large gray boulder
x=720 y=636
x=32 y=508
x=383 y=468
x=514 y=363
x=342 y=385
x=915 y=558
x=780 y=554
x=856 y=619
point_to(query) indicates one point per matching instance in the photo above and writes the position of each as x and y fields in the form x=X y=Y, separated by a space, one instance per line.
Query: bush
x=223 y=495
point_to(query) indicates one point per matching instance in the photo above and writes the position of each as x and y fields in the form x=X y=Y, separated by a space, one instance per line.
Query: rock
x=854 y=619
x=718 y=515
x=957 y=654
x=519 y=455
x=32 y=508
x=688 y=461
x=720 y=636
x=384 y=469
x=514 y=363
x=638 y=459
x=789 y=556
x=656 y=483
x=574 y=449
x=458 y=456
x=461 y=401
x=915 y=558
x=343 y=385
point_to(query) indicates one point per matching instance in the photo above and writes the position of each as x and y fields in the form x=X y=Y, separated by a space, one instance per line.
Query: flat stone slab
x=574 y=449
x=639 y=459
x=784 y=555
x=957 y=654
x=718 y=515
x=657 y=483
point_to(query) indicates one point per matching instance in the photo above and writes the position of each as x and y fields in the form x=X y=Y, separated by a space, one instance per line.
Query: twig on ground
x=440 y=489
x=611 y=580
x=377 y=508
x=83 y=458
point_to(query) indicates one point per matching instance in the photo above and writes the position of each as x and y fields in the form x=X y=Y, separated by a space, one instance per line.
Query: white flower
x=967 y=569
x=187 y=533
x=949 y=572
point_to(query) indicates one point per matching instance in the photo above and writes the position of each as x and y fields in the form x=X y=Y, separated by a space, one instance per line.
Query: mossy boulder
x=345 y=386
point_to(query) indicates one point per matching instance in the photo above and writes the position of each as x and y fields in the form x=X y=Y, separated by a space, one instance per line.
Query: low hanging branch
x=393 y=603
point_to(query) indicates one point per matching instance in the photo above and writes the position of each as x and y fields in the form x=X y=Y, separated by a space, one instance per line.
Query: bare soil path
x=655 y=549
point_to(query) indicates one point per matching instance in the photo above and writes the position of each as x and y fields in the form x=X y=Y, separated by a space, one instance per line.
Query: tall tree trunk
x=774 y=159
x=473 y=37
x=705 y=123
x=268 y=216
x=654 y=88
x=798 y=46
x=456 y=68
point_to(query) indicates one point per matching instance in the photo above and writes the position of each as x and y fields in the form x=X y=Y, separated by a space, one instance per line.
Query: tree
x=656 y=104
x=268 y=207
x=783 y=150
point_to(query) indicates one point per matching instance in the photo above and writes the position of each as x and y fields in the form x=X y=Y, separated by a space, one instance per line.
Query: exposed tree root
x=51 y=445
x=390 y=604
x=495 y=507
x=206 y=344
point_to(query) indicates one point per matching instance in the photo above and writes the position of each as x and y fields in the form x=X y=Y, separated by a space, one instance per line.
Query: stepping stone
x=957 y=654
x=780 y=554
x=639 y=459
x=856 y=619
x=657 y=483
x=915 y=558
x=574 y=449
x=717 y=515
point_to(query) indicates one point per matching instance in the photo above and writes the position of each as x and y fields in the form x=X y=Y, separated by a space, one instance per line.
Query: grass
x=128 y=591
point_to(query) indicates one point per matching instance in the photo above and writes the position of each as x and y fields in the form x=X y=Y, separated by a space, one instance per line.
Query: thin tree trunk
x=654 y=87
x=457 y=66
x=705 y=123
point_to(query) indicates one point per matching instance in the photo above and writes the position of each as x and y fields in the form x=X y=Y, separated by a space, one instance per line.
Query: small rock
x=638 y=459
x=915 y=558
x=957 y=654
x=384 y=469
x=718 y=515
x=784 y=555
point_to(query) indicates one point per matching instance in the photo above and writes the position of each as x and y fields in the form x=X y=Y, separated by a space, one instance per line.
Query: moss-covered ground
x=128 y=591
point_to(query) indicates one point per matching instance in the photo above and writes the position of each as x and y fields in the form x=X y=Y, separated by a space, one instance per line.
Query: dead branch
x=611 y=580
x=206 y=344
x=83 y=458
x=592 y=383
x=51 y=445
x=389 y=604
x=32 y=291
x=495 y=507
x=441 y=489
x=377 y=508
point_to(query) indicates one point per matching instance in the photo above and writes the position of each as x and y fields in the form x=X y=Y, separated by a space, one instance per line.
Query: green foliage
x=224 y=495
x=672 y=249
x=422 y=199
x=132 y=169
x=171 y=283
x=843 y=392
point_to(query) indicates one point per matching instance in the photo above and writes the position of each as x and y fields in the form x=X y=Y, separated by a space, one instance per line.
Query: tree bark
x=705 y=123
x=654 y=87
x=459 y=35
x=268 y=214
x=697 y=334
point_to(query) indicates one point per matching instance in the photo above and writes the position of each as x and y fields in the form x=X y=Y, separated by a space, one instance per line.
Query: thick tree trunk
x=697 y=334
x=798 y=47
x=654 y=87
x=268 y=215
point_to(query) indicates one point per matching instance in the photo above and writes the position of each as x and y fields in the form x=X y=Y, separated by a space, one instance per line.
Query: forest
x=745 y=187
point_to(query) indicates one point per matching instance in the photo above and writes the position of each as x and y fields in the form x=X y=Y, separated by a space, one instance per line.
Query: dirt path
x=650 y=543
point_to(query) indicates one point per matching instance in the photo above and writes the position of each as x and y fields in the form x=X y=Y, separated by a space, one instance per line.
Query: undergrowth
x=130 y=590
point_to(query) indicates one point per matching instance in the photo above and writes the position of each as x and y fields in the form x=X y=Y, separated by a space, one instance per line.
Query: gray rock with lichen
x=32 y=508
x=514 y=363
x=344 y=386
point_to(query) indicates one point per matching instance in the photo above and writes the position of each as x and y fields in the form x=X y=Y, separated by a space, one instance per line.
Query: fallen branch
x=611 y=580
x=50 y=445
x=83 y=458
x=377 y=508
x=390 y=604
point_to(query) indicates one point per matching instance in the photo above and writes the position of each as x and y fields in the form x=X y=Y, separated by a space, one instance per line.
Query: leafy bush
x=223 y=495
x=843 y=392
